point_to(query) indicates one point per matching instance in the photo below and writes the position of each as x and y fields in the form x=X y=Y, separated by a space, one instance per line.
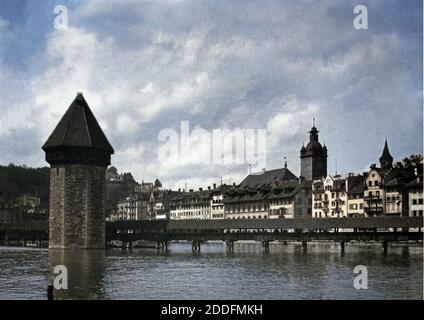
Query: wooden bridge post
x=305 y=246
x=50 y=292
x=130 y=245
x=265 y=244
x=123 y=245
x=385 y=245
x=230 y=246
x=342 y=247
x=163 y=246
x=195 y=246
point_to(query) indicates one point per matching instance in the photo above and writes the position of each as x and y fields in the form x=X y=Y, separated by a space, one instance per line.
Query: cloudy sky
x=145 y=66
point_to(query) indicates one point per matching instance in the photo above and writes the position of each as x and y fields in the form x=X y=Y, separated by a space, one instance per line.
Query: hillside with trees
x=16 y=181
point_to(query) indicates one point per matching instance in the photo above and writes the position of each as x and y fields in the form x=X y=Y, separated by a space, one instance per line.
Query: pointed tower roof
x=386 y=153
x=78 y=138
x=78 y=128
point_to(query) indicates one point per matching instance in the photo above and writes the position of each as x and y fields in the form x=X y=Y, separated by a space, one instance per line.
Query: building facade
x=415 y=195
x=192 y=205
x=269 y=194
x=355 y=195
x=329 y=197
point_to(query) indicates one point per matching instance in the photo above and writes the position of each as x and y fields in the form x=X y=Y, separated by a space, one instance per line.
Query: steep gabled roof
x=78 y=128
x=270 y=178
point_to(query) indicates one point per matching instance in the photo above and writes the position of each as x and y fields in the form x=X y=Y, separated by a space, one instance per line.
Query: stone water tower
x=78 y=153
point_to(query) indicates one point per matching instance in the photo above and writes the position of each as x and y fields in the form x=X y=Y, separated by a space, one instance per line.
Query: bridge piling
x=385 y=246
x=195 y=246
x=265 y=244
x=162 y=246
x=305 y=246
x=50 y=295
x=230 y=246
x=342 y=247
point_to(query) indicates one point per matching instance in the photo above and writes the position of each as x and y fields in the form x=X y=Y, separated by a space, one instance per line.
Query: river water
x=286 y=272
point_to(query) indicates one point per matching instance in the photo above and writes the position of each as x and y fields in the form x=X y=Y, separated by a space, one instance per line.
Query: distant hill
x=20 y=180
x=16 y=181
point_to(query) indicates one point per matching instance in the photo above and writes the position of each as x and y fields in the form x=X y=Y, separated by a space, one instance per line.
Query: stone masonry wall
x=77 y=206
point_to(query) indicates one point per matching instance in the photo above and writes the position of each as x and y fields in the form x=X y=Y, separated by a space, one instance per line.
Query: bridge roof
x=300 y=223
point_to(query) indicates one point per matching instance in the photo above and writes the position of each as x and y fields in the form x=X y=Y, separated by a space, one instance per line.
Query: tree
x=413 y=162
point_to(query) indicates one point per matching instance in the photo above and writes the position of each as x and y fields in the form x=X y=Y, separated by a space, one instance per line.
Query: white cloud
x=145 y=66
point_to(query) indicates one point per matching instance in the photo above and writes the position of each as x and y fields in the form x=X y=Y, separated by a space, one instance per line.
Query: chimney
x=214 y=185
x=200 y=189
x=191 y=190
x=179 y=189
x=209 y=187
x=234 y=184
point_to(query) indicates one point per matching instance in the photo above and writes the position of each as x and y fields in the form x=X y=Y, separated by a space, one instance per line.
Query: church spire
x=386 y=159
x=313 y=134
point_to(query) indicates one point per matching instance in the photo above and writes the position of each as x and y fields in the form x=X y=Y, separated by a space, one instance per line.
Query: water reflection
x=286 y=272
x=85 y=273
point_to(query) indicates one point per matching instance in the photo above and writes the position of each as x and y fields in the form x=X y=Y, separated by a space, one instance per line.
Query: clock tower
x=313 y=157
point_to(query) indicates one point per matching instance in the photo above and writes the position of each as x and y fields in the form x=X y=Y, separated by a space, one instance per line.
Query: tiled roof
x=78 y=128
x=270 y=178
